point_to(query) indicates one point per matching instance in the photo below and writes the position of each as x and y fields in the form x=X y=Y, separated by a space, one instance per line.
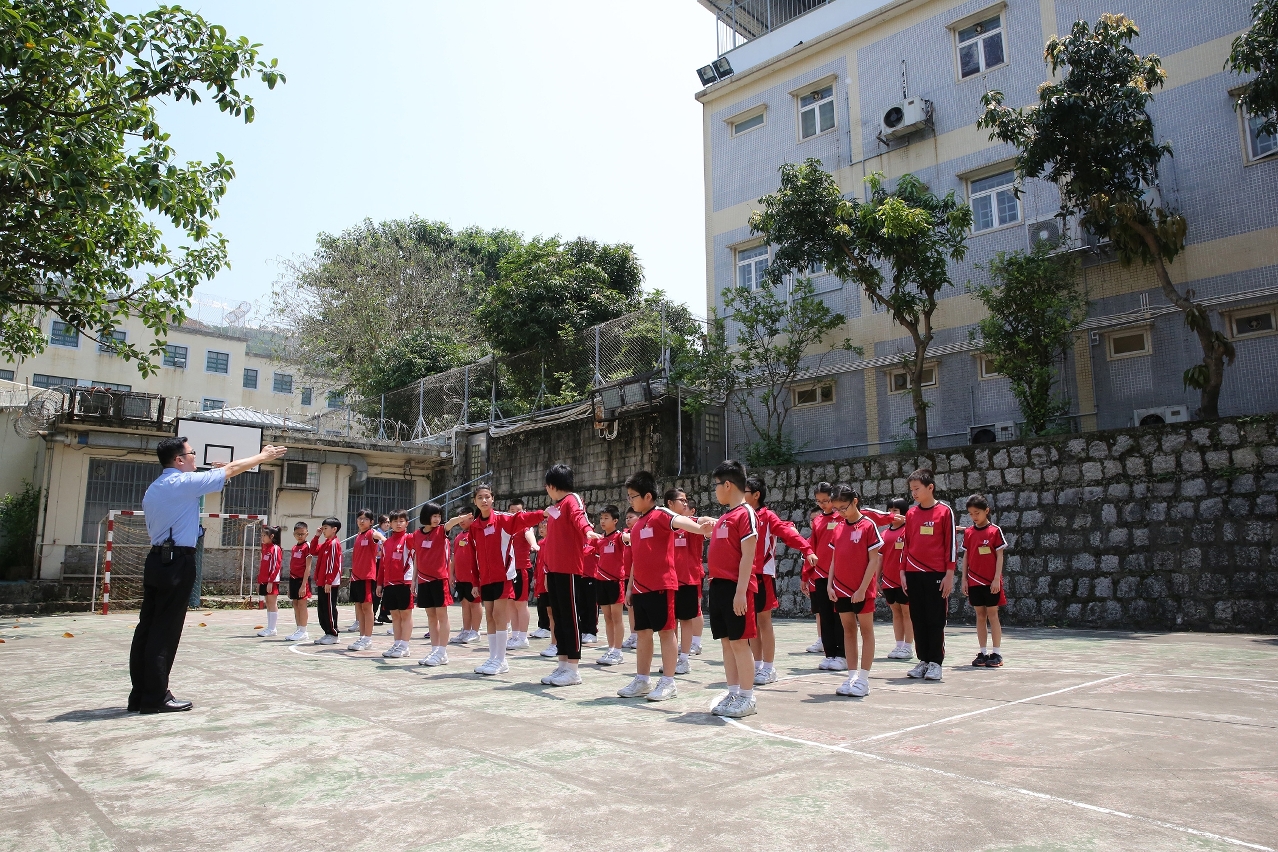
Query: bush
x=18 y=514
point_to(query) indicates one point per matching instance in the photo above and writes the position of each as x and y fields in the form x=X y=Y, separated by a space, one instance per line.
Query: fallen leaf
x=202 y=624
x=259 y=626
x=1 y=641
x=68 y=635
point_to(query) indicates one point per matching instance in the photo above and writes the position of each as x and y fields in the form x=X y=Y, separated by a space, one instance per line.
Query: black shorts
x=432 y=594
x=265 y=589
x=397 y=598
x=520 y=584
x=608 y=592
x=982 y=596
x=896 y=596
x=724 y=622
x=463 y=591
x=687 y=602
x=846 y=605
x=295 y=590
x=505 y=590
x=765 y=598
x=362 y=591
x=654 y=610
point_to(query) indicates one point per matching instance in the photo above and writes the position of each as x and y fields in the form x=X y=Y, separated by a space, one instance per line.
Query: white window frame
x=734 y=123
x=992 y=193
x=752 y=261
x=909 y=379
x=333 y=399
x=107 y=348
x=1233 y=316
x=275 y=383
x=206 y=406
x=6 y=375
x=815 y=109
x=312 y=476
x=985 y=368
x=1110 y=336
x=226 y=372
x=115 y=386
x=257 y=378
x=1000 y=12
x=795 y=390
x=1249 y=153
x=714 y=426
x=170 y=354
x=66 y=326
x=308 y=396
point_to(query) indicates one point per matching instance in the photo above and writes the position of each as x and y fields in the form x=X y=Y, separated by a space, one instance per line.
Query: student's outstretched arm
x=743 y=574
x=692 y=525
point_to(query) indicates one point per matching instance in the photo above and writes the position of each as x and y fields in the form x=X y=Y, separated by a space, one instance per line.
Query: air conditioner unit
x=301 y=476
x=991 y=433
x=905 y=118
x=1159 y=416
x=1048 y=232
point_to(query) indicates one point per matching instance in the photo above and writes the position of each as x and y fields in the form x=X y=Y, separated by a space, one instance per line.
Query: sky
x=569 y=117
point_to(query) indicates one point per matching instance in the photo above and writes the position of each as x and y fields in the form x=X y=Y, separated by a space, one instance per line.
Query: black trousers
x=562 y=591
x=831 y=624
x=928 y=611
x=543 y=611
x=587 y=606
x=166 y=592
x=327 y=606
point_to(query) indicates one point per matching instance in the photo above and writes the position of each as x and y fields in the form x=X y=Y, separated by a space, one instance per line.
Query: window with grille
x=335 y=399
x=110 y=344
x=250 y=378
x=40 y=380
x=62 y=334
x=212 y=404
x=816 y=112
x=246 y=494
x=113 y=485
x=980 y=47
x=115 y=386
x=381 y=496
x=475 y=459
x=175 y=356
x=307 y=396
x=714 y=427
x=751 y=264
x=217 y=362
x=7 y=375
x=282 y=383
x=994 y=202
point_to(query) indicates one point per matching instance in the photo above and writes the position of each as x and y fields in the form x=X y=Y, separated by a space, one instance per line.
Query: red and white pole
x=106 y=564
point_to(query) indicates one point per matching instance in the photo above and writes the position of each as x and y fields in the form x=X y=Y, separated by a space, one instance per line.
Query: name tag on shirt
x=900 y=545
x=856 y=536
x=553 y=511
x=721 y=532
x=926 y=531
x=610 y=549
x=646 y=532
x=489 y=530
x=428 y=543
x=681 y=542
x=984 y=551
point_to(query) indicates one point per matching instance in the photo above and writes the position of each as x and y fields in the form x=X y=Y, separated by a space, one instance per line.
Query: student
x=771 y=530
x=587 y=598
x=522 y=547
x=539 y=588
x=268 y=578
x=364 y=583
x=610 y=551
x=395 y=583
x=430 y=561
x=807 y=575
x=983 y=549
x=466 y=576
x=732 y=586
x=928 y=577
x=627 y=563
x=688 y=550
x=383 y=613
x=855 y=547
x=703 y=585
x=327 y=551
x=892 y=524
x=299 y=581
x=567 y=530
x=831 y=627
x=654 y=580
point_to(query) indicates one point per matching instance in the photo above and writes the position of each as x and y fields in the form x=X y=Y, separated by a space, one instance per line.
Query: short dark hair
x=755 y=483
x=429 y=511
x=823 y=488
x=516 y=502
x=630 y=511
x=399 y=515
x=332 y=522
x=483 y=486
x=560 y=477
x=923 y=476
x=611 y=511
x=732 y=471
x=978 y=501
x=900 y=504
x=366 y=513
x=169 y=449
x=382 y=519
x=301 y=525
x=845 y=494
x=672 y=494
x=643 y=483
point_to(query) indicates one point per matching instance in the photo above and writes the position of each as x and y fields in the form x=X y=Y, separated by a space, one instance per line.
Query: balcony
x=739 y=21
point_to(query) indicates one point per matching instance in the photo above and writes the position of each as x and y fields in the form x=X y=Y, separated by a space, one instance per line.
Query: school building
x=895 y=87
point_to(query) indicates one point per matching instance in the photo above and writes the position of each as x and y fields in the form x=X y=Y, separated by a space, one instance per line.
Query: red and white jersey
x=430 y=554
x=982 y=545
x=822 y=526
x=851 y=544
x=564 y=545
x=611 y=554
x=735 y=527
x=493 y=540
x=269 y=569
x=297 y=560
x=893 y=556
x=328 y=561
x=929 y=538
x=590 y=560
x=364 y=556
x=396 y=567
x=627 y=561
x=687 y=550
x=771 y=530
x=523 y=551
x=652 y=551
x=464 y=566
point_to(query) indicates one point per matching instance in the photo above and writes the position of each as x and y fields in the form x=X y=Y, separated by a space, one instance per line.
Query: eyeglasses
x=720 y=482
x=191 y=453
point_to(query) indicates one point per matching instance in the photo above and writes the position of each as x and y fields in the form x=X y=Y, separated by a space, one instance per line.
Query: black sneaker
x=982 y=660
x=993 y=661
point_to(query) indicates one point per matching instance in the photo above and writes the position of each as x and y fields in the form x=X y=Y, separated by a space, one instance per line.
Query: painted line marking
x=1171 y=826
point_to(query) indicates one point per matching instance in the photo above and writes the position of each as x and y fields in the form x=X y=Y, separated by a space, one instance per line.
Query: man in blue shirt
x=172 y=511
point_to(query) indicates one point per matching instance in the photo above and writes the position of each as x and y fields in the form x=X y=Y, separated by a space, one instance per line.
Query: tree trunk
x=916 y=389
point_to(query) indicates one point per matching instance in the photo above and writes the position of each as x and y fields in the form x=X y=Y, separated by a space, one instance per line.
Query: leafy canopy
x=87 y=175
x=1256 y=52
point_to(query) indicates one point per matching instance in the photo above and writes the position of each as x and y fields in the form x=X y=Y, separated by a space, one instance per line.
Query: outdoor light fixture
x=707 y=75
x=722 y=67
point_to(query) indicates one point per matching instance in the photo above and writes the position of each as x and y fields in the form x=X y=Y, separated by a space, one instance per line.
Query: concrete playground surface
x=1084 y=740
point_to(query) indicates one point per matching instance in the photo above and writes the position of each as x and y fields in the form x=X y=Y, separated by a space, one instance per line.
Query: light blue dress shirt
x=172 y=502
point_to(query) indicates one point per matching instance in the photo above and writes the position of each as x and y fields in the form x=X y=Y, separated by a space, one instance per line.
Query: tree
x=1035 y=308
x=19 y=514
x=754 y=355
x=909 y=231
x=87 y=175
x=1091 y=134
x=1256 y=52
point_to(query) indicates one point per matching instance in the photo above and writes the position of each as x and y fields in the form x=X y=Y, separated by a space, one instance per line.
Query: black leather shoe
x=171 y=705
x=133 y=707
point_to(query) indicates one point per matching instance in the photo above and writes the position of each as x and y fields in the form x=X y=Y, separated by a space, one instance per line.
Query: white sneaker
x=724 y=703
x=825 y=664
x=695 y=650
x=933 y=672
x=740 y=707
x=632 y=641
x=844 y=688
x=589 y=638
x=637 y=688
x=354 y=628
x=487 y=664
x=390 y=631
x=566 y=676
x=682 y=666
x=459 y=639
x=665 y=690
x=611 y=657
x=326 y=640
x=817 y=647
x=860 y=688
x=516 y=644
x=765 y=675
x=918 y=671
x=266 y=631
x=547 y=678
x=838 y=664
x=363 y=643
x=551 y=650
x=298 y=635
x=539 y=633
x=902 y=653
x=437 y=657
x=396 y=650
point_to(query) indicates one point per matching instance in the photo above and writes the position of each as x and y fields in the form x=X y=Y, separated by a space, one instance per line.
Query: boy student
x=299 y=581
x=610 y=552
x=771 y=530
x=928 y=577
x=327 y=551
x=854 y=572
x=539 y=587
x=654 y=580
x=430 y=559
x=732 y=586
x=983 y=547
x=823 y=526
x=364 y=585
x=466 y=576
x=807 y=576
x=395 y=582
x=268 y=578
x=522 y=546
x=567 y=531
x=587 y=598
x=688 y=550
x=627 y=563
x=383 y=612
x=892 y=523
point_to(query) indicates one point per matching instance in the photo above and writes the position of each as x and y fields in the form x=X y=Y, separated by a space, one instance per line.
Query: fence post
x=598 y=376
x=665 y=352
x=492 y=402
x=381 y=421
x=465 y=418
x=420 y=430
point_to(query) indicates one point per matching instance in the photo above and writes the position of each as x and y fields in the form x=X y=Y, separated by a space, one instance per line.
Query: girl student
x=299 y=581
x=466 y=580
x=395 y=583
x=627 y=564
x=268 y=578
x=364 y=585
x=853 y=584
x=831 y=633
x=892 y=530
x=429 y=545
x=608 y=588
x=688 y=550
x=983 y=546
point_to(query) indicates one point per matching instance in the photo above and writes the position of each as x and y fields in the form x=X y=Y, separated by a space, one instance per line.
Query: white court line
x=1006 y=788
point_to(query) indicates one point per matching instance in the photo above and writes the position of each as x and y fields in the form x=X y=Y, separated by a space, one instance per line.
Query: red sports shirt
x=734 y=527
x=493 y=538
x=364 y=556
x=297 y=560
x=328 y=561
x=688 y=547
x=430 y=554
x=627 y=561
x=822 y=526
x=893 y=556
x=929 y=539
x=269 y=570
x=396 y=568
x=523 y=552
x=652 y=551
x=590 y=560
x=982 y=545
x=851 y=546
x=464 y=566
x=611 y=556
x=771 y=530
x=566 y=527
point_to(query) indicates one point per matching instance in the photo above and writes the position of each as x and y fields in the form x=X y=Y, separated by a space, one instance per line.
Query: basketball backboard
x=220 y=442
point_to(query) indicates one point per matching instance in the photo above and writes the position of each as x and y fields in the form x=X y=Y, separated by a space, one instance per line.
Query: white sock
x=861 y=674
x=271 y=619
x=996 y=651
x=758 y=666
x=492 y=645
x=733 y=689
x=521 y=636
x=747 y=694
x=643 y=678
x=683 y=657
x=570 y=664
x=499 y=641
x=633 y=636
x=982 y=649
x=696 y=641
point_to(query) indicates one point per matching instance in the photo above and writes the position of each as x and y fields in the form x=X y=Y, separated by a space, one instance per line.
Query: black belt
x=182 y=550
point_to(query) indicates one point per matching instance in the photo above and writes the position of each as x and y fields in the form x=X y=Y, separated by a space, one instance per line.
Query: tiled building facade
x=1130 y=358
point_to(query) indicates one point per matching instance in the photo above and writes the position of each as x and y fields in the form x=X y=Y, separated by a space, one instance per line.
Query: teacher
x=172 y=510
